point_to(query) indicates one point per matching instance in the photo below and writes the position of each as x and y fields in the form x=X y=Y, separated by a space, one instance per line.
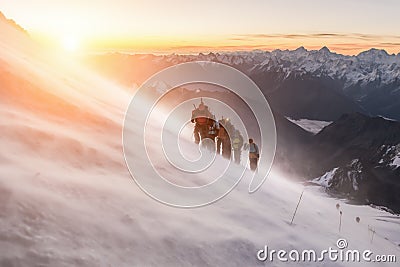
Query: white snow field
x=67 y=199
x=312 y=126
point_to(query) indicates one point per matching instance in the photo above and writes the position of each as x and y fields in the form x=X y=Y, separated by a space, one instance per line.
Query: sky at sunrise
x=184 y=26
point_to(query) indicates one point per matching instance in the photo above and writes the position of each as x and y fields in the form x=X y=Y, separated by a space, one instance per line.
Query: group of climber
x=223 y=134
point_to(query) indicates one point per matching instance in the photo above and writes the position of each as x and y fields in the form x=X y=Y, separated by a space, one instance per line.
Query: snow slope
x=66 y=197
x=312 y=126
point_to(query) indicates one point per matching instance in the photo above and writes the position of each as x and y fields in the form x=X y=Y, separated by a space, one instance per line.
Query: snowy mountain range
x=368 y=82
x=368 y=66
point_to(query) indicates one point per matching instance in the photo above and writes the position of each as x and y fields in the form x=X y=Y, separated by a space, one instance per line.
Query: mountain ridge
x=357 y=156
x=12 y=23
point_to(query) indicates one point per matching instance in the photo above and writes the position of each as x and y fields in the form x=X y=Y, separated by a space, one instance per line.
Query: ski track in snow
x=67 y=199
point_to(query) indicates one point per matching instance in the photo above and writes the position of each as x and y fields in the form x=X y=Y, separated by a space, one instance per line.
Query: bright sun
x=70 y=43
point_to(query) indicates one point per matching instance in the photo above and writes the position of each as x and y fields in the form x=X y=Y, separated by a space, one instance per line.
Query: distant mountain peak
x=301 y=49
x=374 y=52
x=325 y=50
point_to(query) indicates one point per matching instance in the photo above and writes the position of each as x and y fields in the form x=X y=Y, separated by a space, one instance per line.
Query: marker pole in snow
x=340 y=221
x=298 y=203
x=372 y=230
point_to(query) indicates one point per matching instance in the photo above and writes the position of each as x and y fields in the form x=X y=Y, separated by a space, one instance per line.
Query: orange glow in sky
x=345 y=26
